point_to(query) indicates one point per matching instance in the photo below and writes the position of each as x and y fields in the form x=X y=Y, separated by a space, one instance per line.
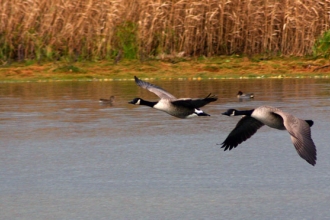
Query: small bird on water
x=242 y=95
x=109 y=101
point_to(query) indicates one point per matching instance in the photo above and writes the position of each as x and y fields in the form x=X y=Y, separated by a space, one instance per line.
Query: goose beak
x=225 y=113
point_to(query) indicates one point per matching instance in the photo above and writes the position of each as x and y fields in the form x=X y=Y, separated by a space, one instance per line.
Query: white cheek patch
x=233 y=114
x=138 y=102
x=198 y=111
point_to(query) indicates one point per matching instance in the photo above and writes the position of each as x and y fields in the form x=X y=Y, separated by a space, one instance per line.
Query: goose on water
x=180 y=108
x=254 y=119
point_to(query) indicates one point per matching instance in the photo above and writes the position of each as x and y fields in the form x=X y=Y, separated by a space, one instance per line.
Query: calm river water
x=65 y=156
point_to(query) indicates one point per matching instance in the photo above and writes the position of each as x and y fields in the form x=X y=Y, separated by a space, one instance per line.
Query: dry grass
x=215 y=67
x=97 y=29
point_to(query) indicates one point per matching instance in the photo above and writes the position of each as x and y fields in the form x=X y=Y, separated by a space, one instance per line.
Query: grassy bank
x=215 y=67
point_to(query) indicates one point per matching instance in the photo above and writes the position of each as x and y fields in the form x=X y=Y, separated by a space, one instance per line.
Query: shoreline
x=225 y=67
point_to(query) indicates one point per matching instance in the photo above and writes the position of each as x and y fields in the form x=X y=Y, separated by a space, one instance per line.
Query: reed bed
x=99 y=29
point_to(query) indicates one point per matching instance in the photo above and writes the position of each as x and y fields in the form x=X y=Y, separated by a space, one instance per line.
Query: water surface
x=65 y=156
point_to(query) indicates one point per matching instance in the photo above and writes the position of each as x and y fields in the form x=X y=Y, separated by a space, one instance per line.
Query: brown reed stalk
x=88 y=29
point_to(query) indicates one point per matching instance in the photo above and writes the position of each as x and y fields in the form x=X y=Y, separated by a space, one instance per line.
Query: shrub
x=322 y=46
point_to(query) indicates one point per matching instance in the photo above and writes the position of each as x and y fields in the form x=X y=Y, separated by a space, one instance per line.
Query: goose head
x=135 y=101
x=230 y=112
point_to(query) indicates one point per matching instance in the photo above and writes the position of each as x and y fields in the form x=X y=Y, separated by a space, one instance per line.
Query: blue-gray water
x=65 y=156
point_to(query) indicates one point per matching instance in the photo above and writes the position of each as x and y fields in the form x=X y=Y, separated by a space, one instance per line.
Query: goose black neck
x=147 y=103
x=244 y=112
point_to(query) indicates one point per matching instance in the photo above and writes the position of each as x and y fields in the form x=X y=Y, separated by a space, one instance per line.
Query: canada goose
x=110 y=101
x=180 y=108
x=275 y=118
x=242 y=95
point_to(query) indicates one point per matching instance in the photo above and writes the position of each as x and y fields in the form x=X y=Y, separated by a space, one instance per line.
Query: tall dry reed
x=97 y=29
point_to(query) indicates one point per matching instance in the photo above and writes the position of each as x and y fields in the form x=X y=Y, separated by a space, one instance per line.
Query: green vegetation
x=126 y=37
x=322 y=45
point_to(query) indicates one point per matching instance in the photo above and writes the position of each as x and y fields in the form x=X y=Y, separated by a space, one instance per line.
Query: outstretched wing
x=195 y=103
x=245 y=128
x=161 y=93
x=301 y=138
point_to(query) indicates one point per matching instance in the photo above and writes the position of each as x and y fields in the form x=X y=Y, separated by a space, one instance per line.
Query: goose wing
x=301 y=138
x=245 y=128
x=195 y=103
x=161 y=93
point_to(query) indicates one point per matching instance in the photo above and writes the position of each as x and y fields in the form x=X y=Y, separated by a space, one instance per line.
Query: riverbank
x=176 y=68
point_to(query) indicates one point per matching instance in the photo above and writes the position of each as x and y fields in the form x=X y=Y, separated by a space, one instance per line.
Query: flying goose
x=110 y=101
x=242 y=95
x=254 y=119
x=180 y=108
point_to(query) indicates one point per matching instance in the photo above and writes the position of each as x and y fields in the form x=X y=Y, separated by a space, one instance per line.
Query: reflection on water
x=63 y=155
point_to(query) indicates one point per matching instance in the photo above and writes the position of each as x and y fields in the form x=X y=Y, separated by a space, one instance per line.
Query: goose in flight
x=180 y=108
x=254 y=119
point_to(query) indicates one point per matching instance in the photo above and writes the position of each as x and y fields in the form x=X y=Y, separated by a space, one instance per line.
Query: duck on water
x=109 y=101
x=242 y=95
